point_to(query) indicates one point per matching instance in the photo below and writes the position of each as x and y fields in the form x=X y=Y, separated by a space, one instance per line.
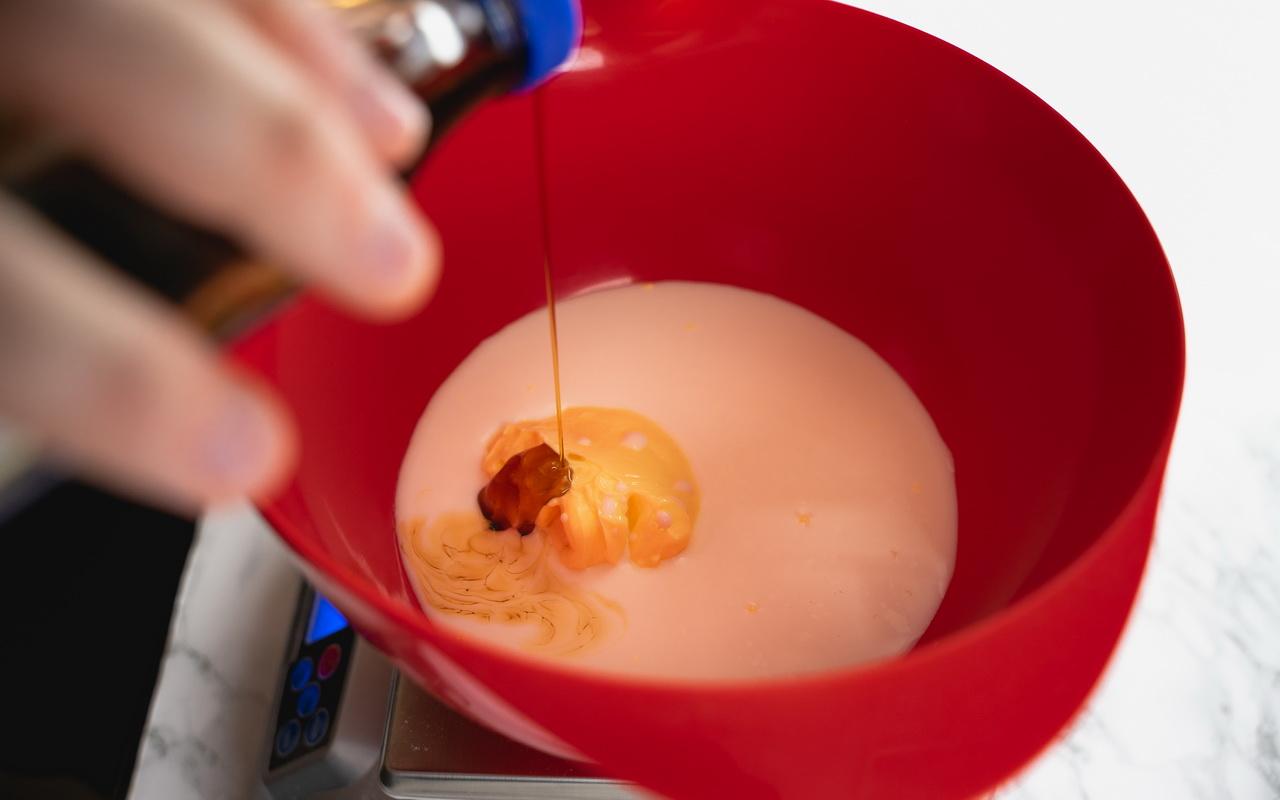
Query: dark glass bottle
x=453 y=54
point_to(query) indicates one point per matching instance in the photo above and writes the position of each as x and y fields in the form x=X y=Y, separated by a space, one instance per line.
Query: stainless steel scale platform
x=346 y=726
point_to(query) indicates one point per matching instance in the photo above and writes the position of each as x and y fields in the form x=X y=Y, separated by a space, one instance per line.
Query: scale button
x=308 y=700
x=317 y=727
x=300 y=674
x=287 y=737
x=329 y=661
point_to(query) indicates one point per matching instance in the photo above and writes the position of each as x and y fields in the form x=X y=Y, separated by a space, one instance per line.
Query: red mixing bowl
x=897 y=187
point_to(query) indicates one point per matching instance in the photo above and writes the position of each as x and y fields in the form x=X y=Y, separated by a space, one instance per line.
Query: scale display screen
x=325 y=620
x=311 y=697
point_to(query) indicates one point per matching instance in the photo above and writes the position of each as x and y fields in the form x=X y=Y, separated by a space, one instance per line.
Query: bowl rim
x=416 y=621
x=1149 y=479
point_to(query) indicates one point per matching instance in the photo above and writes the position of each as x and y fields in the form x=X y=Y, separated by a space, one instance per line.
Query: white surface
x=207 y=733
x=1185 y=102
x=1183 y=99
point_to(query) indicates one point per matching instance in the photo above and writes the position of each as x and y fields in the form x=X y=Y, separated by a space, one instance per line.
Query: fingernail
x=395 y=119
x=239 y=447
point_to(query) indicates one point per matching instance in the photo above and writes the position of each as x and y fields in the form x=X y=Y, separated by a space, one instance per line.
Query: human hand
x=255 y=118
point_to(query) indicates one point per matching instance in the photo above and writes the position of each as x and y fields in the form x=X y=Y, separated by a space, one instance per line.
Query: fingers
x=193 y=107
x=112 y=383
x=393 y=120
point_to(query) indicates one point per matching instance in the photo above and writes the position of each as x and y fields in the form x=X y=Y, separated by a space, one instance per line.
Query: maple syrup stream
x=515 y=496
x=540 y=156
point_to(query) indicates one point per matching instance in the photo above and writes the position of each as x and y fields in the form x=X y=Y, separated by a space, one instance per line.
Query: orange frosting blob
x=633 y=491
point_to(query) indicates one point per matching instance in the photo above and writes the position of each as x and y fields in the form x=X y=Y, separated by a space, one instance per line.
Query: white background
x=1183 y=99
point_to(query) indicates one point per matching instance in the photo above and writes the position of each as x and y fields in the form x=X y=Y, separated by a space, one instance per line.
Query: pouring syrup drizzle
x=531 y=479
x=540 y=156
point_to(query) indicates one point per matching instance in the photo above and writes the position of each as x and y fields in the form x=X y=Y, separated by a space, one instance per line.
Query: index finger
x=189 y=104
x=392 y=119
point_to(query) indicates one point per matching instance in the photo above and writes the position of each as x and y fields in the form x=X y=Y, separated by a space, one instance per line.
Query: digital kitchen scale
x=346 y=725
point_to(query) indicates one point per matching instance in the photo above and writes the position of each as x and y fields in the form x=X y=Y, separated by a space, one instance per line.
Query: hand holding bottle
x=255 y=118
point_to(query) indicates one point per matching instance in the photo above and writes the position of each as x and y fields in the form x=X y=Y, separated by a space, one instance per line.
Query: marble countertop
x=1181 y=98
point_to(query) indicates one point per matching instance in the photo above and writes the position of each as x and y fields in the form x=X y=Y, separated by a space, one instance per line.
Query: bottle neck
x=452 y=54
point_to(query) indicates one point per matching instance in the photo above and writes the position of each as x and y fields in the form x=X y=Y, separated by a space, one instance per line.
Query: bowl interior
x=878 y=177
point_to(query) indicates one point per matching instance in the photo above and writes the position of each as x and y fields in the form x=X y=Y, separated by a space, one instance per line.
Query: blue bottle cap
x=552 y=29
